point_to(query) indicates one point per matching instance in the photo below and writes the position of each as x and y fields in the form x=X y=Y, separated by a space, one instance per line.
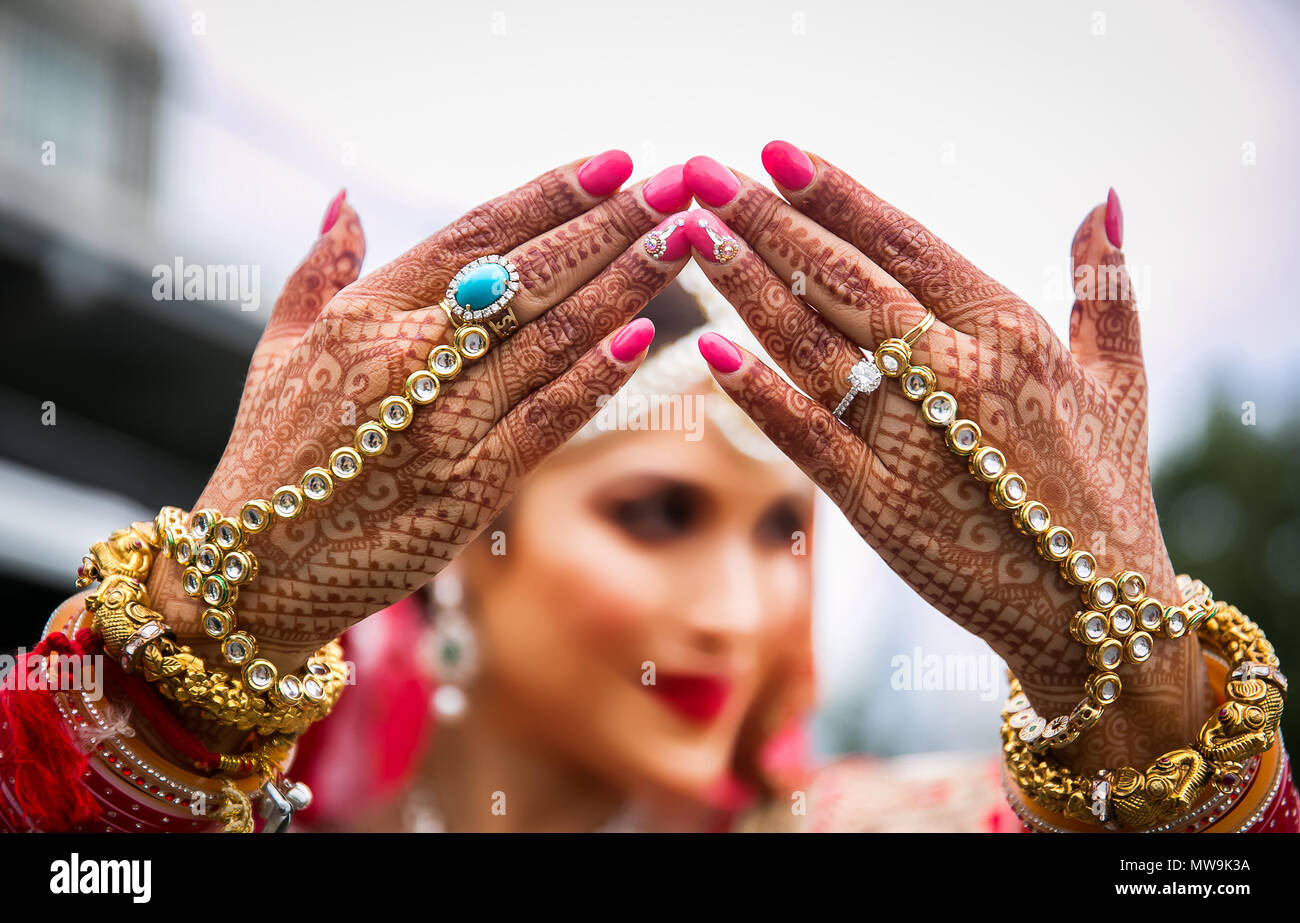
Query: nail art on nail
x=1114 y=220
x=714 y=239
x=664 y=243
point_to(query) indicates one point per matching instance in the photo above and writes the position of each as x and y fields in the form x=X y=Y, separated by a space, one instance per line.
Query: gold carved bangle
x=1245 y=726
x=141 y=639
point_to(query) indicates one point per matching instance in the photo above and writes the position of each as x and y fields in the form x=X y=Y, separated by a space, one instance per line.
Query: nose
x=723 y=607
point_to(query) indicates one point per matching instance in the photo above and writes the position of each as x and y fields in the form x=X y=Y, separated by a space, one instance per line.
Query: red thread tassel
x=151 y=705
x=46 y=765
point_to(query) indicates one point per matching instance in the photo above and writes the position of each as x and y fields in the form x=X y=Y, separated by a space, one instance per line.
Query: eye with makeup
x=779 y=523
x=662 y=511
x=658 y=512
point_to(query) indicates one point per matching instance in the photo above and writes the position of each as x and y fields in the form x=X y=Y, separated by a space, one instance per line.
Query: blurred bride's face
x=648 y=586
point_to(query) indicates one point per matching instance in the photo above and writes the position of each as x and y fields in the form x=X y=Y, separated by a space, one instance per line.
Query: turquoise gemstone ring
x=482 y=288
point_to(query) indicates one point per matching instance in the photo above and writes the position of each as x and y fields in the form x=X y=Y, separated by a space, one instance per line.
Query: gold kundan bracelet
x=213 y=549
x=1118 y=621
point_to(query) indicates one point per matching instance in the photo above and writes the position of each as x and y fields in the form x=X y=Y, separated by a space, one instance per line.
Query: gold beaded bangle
x=1118 y=622
x=1245 y=726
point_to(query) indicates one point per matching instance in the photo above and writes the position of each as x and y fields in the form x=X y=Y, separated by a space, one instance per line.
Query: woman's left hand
x=1072 y=421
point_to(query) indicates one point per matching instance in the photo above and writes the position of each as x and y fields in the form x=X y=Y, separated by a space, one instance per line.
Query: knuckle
x=899 y=239
x=758 y=208
x=479 y=229
x=749 y=283
x=815 y=348
x=335 y=325
x=841 y=269
x=560 y=333
x=537 y=271
x=627 y=217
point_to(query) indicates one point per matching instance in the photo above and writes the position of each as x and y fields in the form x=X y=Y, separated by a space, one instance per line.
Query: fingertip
x=1114 y=219
x=603 y=174
x=720 y=353
x=667 y=191
x=788 y=165
x=711 y=182
x=710 y=236
x=668 y=242
x=332 y=211
x=1089 y=241
x=632 y=340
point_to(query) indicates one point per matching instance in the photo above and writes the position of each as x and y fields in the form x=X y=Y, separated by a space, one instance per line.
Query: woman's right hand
x=334 y=347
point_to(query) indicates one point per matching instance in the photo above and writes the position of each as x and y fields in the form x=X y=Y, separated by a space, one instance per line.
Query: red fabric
x=365 y=751
x=44 y=766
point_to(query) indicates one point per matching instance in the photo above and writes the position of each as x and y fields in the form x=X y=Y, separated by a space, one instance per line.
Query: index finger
x=420 y=276
x=936 y=274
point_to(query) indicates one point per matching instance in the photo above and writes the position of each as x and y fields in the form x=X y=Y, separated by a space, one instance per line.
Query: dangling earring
x=452 y=648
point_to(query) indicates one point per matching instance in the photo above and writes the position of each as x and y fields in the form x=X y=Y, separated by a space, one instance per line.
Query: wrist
x=1162 y=707
x=184 y=616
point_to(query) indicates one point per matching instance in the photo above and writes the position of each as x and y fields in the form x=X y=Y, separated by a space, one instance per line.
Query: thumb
x=1104 y=332
x=333 y=263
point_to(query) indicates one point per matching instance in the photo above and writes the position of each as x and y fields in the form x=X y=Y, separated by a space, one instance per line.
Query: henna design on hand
x=334 y=348
x=1072 y=421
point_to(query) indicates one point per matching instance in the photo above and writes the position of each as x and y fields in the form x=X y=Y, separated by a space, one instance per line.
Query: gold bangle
x=178 y=791
x=131 y=631
x=1173 y=786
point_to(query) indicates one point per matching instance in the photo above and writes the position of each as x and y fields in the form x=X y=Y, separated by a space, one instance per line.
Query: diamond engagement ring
x=863 y=378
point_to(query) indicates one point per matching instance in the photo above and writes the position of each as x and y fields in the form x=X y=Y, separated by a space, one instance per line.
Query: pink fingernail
x=711 y=237
x=719 y=352
x=605 y=172
x=789 y=166
x=632 y=340
x=1114 y=220
x=668 y=241
x=712 y=183
x=332 y=213
x=667 y=191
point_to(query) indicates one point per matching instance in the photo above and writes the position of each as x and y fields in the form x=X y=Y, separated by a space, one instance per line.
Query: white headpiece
x=655 y=396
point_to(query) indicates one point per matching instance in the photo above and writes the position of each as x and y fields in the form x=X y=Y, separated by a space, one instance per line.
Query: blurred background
x=137 y=134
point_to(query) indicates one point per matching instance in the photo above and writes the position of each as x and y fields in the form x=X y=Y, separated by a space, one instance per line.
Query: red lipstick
x=695 y=696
